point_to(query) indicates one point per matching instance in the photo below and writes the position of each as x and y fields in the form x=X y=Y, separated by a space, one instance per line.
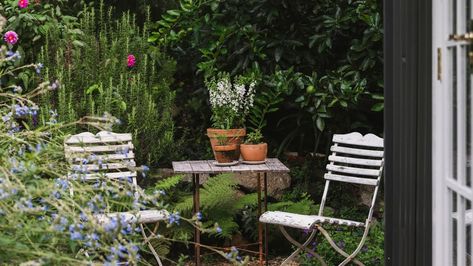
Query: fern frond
x=168 y=183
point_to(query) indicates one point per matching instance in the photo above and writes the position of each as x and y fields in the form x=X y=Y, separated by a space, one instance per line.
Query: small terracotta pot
x=225 y=153
x=254 y=152
x=231 y=136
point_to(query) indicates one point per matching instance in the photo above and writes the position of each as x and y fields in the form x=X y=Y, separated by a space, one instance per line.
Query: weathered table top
x=208 y=167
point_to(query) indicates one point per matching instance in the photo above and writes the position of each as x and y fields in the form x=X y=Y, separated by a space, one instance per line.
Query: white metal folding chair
x=355 y=159
x=110 y=155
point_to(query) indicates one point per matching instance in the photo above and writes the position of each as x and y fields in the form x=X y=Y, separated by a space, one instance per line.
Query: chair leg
x=348 y=257
x=301 y=247
x=155 y=254
x=357 y=250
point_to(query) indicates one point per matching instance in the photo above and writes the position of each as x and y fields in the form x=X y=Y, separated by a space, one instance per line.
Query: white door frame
x=449 y=175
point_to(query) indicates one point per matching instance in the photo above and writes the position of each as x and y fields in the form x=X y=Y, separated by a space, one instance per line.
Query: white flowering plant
x=230 y=101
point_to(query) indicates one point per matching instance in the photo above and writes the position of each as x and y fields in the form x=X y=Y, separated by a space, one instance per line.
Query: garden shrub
x=331 y=50
x=115 y=71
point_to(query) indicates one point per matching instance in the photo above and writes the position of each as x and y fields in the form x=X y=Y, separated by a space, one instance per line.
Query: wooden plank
x=182 y=167
x=359 y=152
x=93 y=149
x=200 y=167
x=355 y=161
x=351 y=179
x=146 y=216
x=75 y=140
x=79 y=157
x=217 y=169
x=355 y=138
x=275 y=165
x=241 y=167
x=116 y=175
x=105 y=166
x=353 y=170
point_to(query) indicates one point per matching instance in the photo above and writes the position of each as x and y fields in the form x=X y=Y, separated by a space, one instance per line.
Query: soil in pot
x=254 y=152
x=227 y=136
x=225 y=153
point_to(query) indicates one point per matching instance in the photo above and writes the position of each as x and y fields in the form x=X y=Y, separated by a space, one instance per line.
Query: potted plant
x=254 y=150
x=230 y=103
x=224 y=150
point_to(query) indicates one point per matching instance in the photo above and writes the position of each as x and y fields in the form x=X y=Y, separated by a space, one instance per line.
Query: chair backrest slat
x=353 y=180
x=355 y=159
x=357 y=152
x=104 y=154
x=353 y=170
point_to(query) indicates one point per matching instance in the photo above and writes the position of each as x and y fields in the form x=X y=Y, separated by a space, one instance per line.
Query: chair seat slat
x=302 y=221
x=355 y=161
x=351 y=179
x=358 y=152
x=352 y=170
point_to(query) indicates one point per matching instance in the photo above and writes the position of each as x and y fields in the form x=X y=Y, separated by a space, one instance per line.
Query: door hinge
x=439 y=64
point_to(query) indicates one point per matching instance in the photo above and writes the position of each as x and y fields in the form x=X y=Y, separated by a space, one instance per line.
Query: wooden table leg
x=260 y=225
x=266 y=233
x=196 y=184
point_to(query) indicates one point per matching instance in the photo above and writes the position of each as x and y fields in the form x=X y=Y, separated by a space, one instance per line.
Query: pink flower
x=10 y=37
x=23 y=3
x=131 y=60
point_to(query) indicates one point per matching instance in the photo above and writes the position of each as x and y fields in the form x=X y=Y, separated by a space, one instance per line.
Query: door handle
x=462 y=37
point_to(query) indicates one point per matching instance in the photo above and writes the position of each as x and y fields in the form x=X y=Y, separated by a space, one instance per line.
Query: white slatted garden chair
x=354 y=159
x=109 y=155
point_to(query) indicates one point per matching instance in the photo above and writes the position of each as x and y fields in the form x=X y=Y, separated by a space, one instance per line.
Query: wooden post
x=196 y=183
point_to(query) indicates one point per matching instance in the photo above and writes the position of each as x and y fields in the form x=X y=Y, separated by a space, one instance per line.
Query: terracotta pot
x=254 y=152
x=228 y=136
x=225 y=153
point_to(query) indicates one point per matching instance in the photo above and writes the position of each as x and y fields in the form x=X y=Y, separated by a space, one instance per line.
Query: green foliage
x=168 y=183
x=35 y=22
x=372 y=252
x=220 y=203
x=95 y=79
x=332 y=49
x=254 y=137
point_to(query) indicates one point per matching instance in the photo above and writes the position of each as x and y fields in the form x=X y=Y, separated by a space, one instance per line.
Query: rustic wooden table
x=196 y=168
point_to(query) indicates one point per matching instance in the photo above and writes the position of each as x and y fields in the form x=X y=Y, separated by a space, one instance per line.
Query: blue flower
x=219 y=229
x=38 y=67
x=174 y=218
x=199 y=216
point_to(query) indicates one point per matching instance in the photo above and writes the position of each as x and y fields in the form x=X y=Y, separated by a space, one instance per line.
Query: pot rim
x=259 y=144
x=227 y=147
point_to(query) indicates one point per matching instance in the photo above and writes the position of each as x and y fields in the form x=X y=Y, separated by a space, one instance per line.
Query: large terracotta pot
x=225 y=153
x=254 y=152
x=228 y=136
